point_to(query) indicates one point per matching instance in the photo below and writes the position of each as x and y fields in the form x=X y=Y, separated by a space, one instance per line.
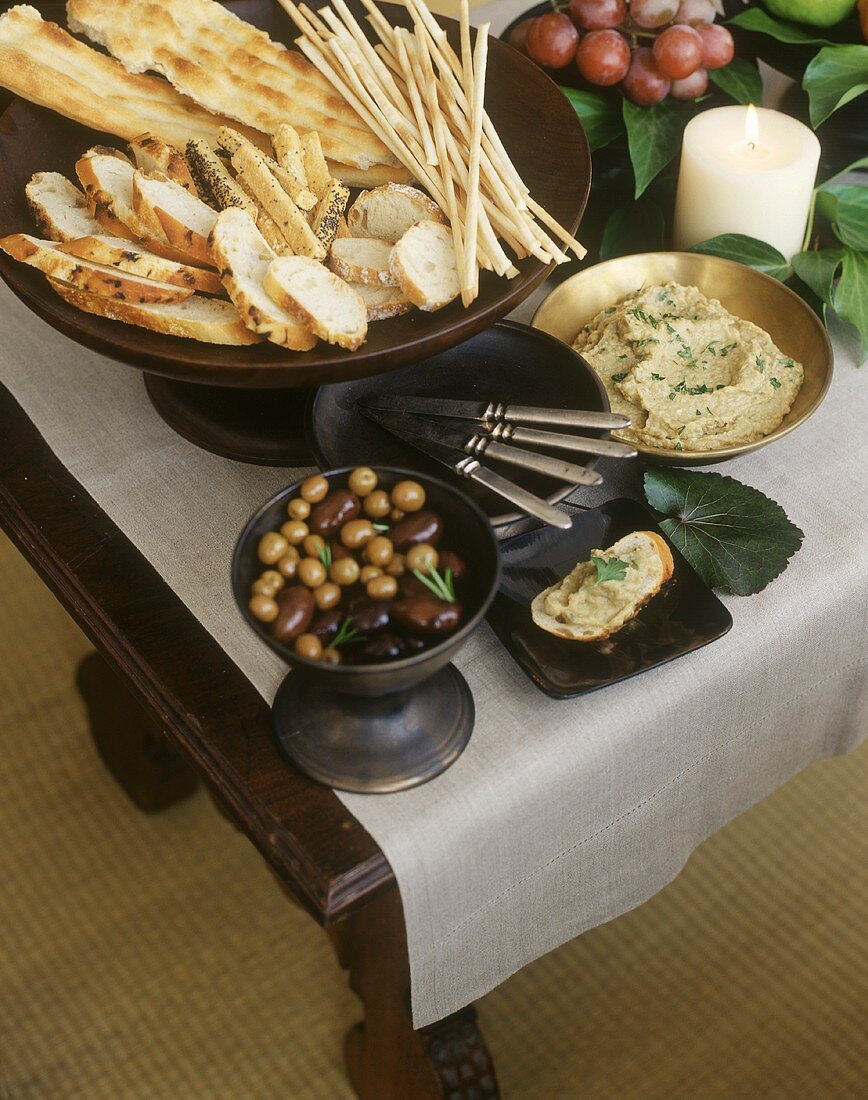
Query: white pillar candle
x=747 y=171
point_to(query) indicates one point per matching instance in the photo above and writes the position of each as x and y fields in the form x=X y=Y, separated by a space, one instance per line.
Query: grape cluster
x=652 y=48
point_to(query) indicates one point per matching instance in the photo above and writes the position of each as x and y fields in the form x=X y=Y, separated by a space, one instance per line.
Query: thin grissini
x=474 y=76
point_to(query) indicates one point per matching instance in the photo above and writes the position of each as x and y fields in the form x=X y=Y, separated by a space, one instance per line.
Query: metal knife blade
x=491 y=412
x=467 y=466
x=578 y=444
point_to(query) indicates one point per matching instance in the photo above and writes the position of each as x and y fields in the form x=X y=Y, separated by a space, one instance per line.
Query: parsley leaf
x=612 y=570
x=775 y=382
x=734 y=536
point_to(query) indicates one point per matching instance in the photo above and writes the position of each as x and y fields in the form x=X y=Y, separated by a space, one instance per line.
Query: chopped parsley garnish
x=681 y=429
x=685 y=353
x=657 y=377
x=648 y=340
x=699 y=412
x=645 y=318
x=760 y=363
x=726 y=349
x=787 y=363
x=775 y=383
x=709 y=347
x=618 y=377
x=622 y=356
x=611 y=309
x=694 y=391
x=672 y=330
x=708 y=410
x=612 y=569
x=678 y=446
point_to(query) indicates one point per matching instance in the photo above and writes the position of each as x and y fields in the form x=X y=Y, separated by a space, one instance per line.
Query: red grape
x=598 y=15
x=653 y=13
x=518 y=35
x=644 y=85
x=717 y=46
x=695 y=12
x=678 y=51
x=603 y=57
x=691 y=87
x=552 y=39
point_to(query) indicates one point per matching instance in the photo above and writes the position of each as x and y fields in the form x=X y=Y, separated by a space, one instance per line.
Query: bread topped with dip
x=604 y=593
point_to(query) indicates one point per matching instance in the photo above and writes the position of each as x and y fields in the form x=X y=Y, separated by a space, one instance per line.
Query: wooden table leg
x=130 y=741
x=386 y=1058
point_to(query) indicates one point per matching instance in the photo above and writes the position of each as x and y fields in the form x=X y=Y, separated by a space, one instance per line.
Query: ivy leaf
x=740 y=80
x=746 y=250
x=599 y=114
x=850 y=299
x=755 y=19
x=654 y=137
x=734 y=536
x=846 y=207
x=611 y=569
x=835 y=76
x=634 y=227
x=817 y=270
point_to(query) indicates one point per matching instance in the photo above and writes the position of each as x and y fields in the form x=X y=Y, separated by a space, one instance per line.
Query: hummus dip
x=690 y=375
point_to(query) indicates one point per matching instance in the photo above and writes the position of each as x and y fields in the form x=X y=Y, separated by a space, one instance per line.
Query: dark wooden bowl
x=538 y=127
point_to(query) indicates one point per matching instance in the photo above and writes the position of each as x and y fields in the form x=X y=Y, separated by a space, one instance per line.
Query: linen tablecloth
x=559 y=815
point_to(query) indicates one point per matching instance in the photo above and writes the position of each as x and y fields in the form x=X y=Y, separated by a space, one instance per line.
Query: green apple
x=818 y=13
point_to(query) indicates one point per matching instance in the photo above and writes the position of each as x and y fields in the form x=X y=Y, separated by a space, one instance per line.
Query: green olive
x=422 y=557
x=311 y=572
x=356 y=533
x=377 y=504
x=298 y=508
x=379 y=551
x=269 y=584
x=263 y=608
x=331 y=656
x=382 y=588
x=409 y=496
x=369 y=572
x=327 y=596
x=295 y=531
x=314 y=489
x=363 y=481
x=344 y=571
x=308 y=645
x=396 y=515
x=396 y=567
x=288 y=564
x=271 y=547
x=312 y=545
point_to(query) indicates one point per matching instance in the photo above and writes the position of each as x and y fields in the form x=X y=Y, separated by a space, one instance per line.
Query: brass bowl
x=745 y=292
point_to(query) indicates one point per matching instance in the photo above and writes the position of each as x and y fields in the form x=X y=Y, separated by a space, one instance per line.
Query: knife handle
x=561 y=418
x=568 y=472
x=521 y=498
x=580 y=444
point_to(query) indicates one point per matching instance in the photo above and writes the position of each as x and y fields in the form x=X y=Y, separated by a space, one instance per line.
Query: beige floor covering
x=153 y=958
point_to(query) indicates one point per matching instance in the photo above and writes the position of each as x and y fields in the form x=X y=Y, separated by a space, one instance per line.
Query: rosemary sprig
x=380 y=526
x=443 y=588
x=347 y=633
x=325 y=554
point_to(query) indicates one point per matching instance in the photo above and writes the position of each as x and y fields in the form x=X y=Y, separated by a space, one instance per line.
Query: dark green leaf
x=746 y=250
x=600 y=115
x=654 y=137
x=846 y=207
x=634 y=227
x=755 y=19
x=734 y=536
x=740 y=80
x=818 y=270
x=611 y=569
x=850 y=300
x=835 y=76
x=862 y=162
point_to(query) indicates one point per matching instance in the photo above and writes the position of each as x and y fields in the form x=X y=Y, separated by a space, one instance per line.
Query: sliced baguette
x=383 y=302
x=59 y=208
x=184 y=218
x=152 y=154
x=210 y=320
x=318 y=299
x=423 y=263
x=243 y=257
x=387 y=212
x=126 y=256
x=615 y=602
x=213 y=180
x=108 y=282
x=362 y=260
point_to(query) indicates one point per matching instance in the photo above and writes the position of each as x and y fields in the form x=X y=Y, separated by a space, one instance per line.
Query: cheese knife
x=496 y=412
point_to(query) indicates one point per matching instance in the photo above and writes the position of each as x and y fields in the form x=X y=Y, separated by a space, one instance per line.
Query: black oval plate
x=508 y=362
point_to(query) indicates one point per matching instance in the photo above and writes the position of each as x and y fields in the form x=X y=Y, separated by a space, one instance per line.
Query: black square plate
x=683 y=616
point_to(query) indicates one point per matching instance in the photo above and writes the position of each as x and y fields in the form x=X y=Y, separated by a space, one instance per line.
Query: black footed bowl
x=382 y=726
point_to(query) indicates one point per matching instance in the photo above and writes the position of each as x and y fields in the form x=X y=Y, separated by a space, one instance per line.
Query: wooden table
x=168 y=709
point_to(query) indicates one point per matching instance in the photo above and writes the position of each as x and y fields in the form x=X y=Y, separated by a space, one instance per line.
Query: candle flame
x=751 y=126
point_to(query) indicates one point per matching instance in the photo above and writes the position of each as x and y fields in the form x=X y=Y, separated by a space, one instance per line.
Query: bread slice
x=210 y=320
x=59 y=208
x=362 y=260
x=387 y=212
x=383 y=302
x=152 y=154
x=126 y=256
x=213 y=180
x=319 y=299
x=184 y=218
x=261 y=182
x=109 y=282
x=423 y=264
x=329 y=213
x=583 y=609
x=243 y=257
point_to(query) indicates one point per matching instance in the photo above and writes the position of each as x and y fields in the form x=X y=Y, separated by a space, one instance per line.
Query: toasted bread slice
x=152 y=154
x=423 y=263
x=383 y=302
x=362 y=260
x=184 y=218
x=318 y=299
x=243 y=257
x=126 y=256
x=388 y=212
x=214 y=181
x=109 y=282
x=584 y=609
x=210 y=320
x=377 y=175
x=59 y=208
